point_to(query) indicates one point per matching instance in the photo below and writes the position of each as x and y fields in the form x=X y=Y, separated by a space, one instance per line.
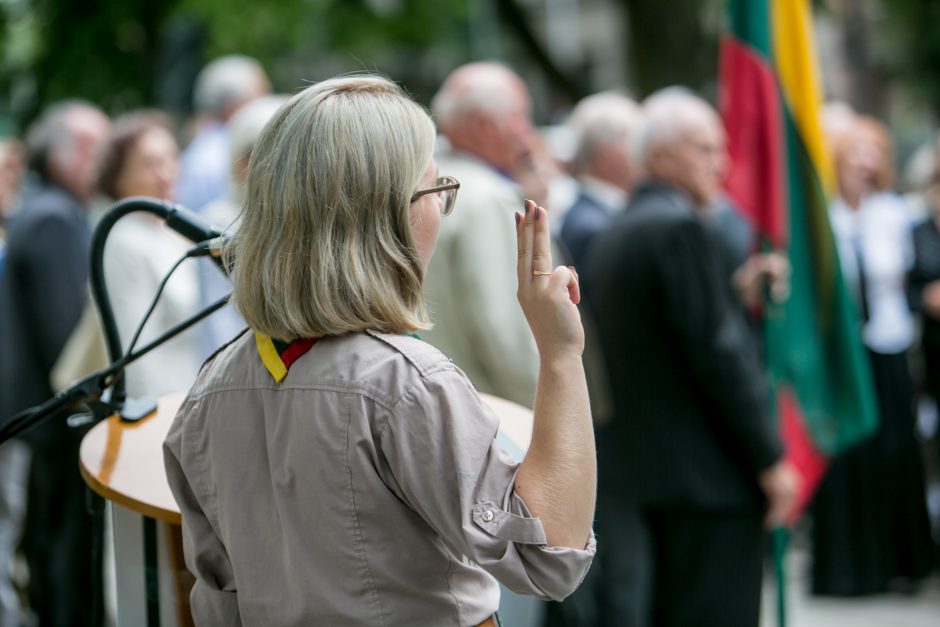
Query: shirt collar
x=608 y=196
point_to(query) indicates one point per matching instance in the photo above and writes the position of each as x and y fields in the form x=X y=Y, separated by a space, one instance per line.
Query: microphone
x=209 y=240
x=188 y=224
x=177 y=217
x=212 y=247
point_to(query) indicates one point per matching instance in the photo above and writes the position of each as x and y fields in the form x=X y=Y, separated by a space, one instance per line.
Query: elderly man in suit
x=690 y=464
x=42 y=295
x=222 y=87
x=602 y=126
x=483 y=109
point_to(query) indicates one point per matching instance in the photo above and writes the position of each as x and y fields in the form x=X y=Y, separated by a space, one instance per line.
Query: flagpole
x=780 y=538
x=779 y=535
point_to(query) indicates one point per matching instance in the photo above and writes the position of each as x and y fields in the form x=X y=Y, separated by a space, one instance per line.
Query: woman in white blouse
x=142 y=160
x=871 y=530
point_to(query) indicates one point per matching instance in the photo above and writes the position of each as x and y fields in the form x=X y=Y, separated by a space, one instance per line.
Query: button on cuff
x=508 y=526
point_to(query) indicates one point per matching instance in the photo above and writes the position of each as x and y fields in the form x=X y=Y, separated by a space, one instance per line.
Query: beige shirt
x=470 y=284
x=366 y=488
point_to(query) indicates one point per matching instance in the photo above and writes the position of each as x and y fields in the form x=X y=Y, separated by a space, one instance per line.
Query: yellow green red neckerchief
x=278 y=356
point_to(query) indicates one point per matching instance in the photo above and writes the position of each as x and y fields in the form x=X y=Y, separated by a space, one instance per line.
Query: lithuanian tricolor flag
x=781 y=178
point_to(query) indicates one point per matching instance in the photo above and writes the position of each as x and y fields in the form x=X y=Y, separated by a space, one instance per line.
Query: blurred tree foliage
x=123 y=54
x=914 y=29
x=673 y=43
x=130 y=53
x=101 y=50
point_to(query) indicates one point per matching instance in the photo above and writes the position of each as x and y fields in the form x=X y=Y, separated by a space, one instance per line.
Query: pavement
x=886 y=610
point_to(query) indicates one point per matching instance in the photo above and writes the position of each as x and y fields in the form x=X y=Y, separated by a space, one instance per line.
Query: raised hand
x=548 y=296
x=558 y=477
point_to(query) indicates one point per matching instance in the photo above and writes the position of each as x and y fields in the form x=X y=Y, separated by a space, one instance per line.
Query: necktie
x=862 y=277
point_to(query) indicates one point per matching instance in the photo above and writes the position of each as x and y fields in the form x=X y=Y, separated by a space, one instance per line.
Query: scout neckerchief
x=278 y=356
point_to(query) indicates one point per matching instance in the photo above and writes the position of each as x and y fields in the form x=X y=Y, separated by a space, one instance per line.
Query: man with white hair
x=42 y=295
x=244 y=128
x=222 y=86
x=601 y=125
x=690 y=464
x=483 y=109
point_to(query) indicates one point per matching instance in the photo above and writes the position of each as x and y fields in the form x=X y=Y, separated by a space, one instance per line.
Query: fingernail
x=525 y=206
x=518 y=219
x=537 y=212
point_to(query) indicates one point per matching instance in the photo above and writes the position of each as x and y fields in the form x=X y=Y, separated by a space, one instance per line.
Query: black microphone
x=209 y=240
x=212 y=248
x=177 y=217
x=188 y=224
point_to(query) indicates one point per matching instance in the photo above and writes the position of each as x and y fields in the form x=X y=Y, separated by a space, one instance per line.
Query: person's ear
x=486 y=127
x=660 y=161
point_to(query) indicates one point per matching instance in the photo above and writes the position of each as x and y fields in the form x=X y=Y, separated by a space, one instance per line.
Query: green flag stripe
x=813 y=340
x=750 y=23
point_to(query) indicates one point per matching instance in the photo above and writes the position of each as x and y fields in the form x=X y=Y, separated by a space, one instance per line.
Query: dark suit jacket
x=42 y=295
x=926 y=269
x=690 y=425
x=583 y=222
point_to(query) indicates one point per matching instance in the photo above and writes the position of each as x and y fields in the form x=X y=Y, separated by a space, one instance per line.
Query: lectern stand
x=123 y=462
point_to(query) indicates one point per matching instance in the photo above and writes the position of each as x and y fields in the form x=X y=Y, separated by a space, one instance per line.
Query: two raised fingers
x=534 y=241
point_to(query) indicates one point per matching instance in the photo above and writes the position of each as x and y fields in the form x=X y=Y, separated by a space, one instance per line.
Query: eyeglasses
x=446 y=188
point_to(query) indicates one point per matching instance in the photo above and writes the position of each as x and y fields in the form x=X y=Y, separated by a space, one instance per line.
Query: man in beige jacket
x=484 y=111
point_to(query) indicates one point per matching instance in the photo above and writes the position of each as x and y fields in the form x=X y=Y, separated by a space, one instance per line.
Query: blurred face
x=11 y=174
x=75 y=164
x=614 y=164
x=862 y=159
x=515 y=132
x=151 y=166
x=697 y=161
x=426 y=216
x=260 y=87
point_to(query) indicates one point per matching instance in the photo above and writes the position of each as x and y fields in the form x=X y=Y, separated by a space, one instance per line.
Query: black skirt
x=870 y=522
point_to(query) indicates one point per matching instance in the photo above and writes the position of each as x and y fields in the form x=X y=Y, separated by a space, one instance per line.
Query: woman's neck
x=853 y=198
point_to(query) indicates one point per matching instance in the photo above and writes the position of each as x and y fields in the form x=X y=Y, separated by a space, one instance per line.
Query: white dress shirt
x=879 y=231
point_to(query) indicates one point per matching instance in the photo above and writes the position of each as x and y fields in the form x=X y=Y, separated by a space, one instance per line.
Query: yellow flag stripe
x=270 y=357
x=795 y=58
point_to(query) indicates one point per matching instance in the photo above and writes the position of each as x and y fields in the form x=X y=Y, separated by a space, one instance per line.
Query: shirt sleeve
x=214 y=599
x=440 y=445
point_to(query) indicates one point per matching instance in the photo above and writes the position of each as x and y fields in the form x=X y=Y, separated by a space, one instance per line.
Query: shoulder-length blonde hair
x=325 y=246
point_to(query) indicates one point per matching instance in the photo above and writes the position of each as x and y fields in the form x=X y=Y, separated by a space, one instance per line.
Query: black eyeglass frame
x=454 y=185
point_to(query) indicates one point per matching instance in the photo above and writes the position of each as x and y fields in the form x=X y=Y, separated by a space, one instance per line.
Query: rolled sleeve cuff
x=557 y=571
x=551 y=573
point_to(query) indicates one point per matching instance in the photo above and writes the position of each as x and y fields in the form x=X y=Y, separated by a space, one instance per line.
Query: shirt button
x=487 y=516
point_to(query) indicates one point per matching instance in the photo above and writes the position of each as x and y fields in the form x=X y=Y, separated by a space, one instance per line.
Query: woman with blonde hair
x=870 y=527
x=331 y=467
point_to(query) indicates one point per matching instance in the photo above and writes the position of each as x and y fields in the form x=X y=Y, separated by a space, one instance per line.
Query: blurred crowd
x=691 y=468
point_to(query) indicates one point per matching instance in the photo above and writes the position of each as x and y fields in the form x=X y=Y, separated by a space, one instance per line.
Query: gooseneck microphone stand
x=93 y=390
x=102 y=394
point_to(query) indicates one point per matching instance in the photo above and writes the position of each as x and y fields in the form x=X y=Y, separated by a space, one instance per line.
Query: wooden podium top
x=123 y=461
